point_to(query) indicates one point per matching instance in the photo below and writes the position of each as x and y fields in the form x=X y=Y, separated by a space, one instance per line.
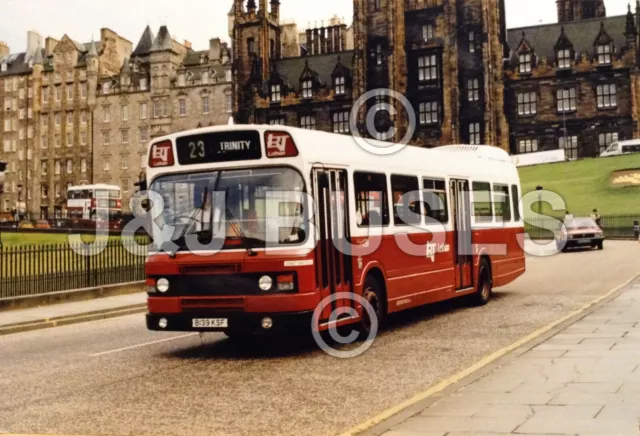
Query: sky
x=197 y=20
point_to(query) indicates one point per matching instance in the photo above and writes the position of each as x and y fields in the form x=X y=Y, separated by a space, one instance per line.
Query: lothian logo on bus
x=277 y=144
x=160 y=155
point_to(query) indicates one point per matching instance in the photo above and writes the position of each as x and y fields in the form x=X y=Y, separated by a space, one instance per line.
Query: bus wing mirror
x=146 y=205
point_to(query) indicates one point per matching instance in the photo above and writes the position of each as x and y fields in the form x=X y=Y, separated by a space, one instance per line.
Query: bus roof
x=96 y=186
x=337 y=149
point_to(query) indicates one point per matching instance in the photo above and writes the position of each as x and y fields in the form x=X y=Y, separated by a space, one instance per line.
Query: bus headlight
x=162 y=285
x=265 y=283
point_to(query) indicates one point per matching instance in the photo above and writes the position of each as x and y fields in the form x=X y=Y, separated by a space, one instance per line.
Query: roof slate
x=291 y=69
x=145 y=43
x=582 y=35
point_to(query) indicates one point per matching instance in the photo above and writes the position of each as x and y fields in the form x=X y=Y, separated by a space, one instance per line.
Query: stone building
x=445 y=56
x=575 y=84
x=162 y=87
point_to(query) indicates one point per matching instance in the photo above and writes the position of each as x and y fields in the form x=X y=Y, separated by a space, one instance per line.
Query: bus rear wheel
x=485 y=286
x=374 y=295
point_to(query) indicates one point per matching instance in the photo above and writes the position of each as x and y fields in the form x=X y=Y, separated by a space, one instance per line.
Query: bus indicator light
x=280 y=144
x=161 y=155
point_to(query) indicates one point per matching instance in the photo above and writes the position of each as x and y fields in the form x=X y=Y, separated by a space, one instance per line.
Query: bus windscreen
x=219 y=147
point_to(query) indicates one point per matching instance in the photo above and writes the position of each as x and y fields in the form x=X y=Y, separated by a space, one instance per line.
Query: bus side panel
x=504 y=251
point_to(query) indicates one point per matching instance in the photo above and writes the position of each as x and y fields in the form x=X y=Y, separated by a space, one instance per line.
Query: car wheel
x=600 y=245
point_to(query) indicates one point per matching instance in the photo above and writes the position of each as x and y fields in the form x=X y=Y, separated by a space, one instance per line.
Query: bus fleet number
x=197 y=149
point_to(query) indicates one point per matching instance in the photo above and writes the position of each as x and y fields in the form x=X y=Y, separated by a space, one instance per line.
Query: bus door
x=463 y=254
x=333 y=266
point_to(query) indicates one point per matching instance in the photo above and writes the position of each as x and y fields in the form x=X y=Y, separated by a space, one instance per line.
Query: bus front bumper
x=221 y=321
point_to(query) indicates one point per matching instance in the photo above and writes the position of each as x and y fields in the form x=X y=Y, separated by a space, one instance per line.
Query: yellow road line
x=478 y=365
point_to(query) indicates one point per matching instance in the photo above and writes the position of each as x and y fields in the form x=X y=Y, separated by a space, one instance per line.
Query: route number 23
x=196 y=149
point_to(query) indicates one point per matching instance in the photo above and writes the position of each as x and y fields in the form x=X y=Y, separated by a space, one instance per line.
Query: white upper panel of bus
x=96 y=186
x=322 y=148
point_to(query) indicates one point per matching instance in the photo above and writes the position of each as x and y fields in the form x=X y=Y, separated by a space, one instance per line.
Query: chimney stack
x=34 y=40
x=4 y=49
x=215 y=48
x=49 y=45
x=187 y=44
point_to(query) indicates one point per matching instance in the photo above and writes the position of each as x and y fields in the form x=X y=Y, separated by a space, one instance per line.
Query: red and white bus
x=253 y=284
x=88 y=202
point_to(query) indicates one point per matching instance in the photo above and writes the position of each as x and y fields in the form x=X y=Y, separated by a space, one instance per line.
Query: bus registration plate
x=209 y=323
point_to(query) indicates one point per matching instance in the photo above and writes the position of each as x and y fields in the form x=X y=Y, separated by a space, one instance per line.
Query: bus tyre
x=375 y=296
x=484 y=291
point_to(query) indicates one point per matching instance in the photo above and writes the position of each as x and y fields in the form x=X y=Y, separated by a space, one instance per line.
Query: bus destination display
x=218 y=147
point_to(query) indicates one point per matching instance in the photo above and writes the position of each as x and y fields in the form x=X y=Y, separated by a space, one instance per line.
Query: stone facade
x=574 y=85
x=163 y=87
x=54 y=130
x=432 y=51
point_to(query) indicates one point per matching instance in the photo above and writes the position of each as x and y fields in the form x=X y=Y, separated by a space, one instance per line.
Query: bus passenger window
x=435 y=200
x=516 y=202
x=502 y=203
x=372 y=207
x=482 y=210
x=406 y=200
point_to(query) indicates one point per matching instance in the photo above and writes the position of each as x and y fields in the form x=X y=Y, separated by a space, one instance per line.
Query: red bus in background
x=256 y=280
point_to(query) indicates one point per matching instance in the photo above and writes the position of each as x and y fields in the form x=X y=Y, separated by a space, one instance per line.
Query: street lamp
x=539 y=189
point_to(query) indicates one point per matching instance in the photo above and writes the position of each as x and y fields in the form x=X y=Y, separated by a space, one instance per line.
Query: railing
x=41 y=269
x=614 y=227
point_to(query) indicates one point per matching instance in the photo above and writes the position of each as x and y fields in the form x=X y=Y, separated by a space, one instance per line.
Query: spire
x=163 y=40
x=251 y=5
x=92 y=49
x=630 y=31
x=145 y=43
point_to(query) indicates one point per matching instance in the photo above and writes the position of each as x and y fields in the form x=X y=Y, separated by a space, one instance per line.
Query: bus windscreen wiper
x=247 y=241
x=191 y=221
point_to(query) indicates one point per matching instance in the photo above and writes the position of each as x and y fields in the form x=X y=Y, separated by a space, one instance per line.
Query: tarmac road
x=115 y=377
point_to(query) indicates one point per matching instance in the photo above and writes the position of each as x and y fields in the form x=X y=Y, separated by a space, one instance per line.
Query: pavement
x=584 y=380
x=114 y=377
x=21 y=320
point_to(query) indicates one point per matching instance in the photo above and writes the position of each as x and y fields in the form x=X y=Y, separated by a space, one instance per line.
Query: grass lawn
x=44 y=238
x=585 y=185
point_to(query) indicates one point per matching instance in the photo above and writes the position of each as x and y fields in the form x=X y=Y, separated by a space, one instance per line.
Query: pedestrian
x=567 y=215
x=596 y=217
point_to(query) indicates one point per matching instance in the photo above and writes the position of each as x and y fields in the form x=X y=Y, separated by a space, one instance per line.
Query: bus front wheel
x=485 y=286
x=374 y=295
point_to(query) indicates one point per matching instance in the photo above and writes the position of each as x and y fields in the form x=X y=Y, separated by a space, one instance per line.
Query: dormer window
x=143 y=84
x=340 y=86
x=525 y=63
x=106 y=88
x=276 y=95
x=427 y=32
x=205 y=77
x=564 y=58
x=182 y=81
x=3 y=67
x=307 y=89
x=228 y=76
x=604 y=54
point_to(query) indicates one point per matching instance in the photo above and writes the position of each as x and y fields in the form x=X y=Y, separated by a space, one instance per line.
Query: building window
x=427 y=68
x=44 y=191
x=525 y=63
x=143 y=111
x=45 y=95
x=156 y=109
x=57 y=117
x=251 y=46
x=275 y=93
x=125 y=112
x=57 y=139
x=83 y=117
x=58 y=93
x=277 y=121
x=7 y=125
x=106 y=88
x=43 y=167
x=379 y=55
x=566 y=100
x=472 y=41
x=473 y=88
x=229 y=101
x=205 y=105
x=106 y=138
x=125 y=163
x=307 y=89
x=474 y=133
x=308 y=122
x=182 y=80
x=570 y=146
x=125 y=136
x=428 y=113
x=83 y=138
x=340 y=85
x=182 y=105
x=527 y=146
x=604 y=54
x=69 y=140
x=106 y=166
x=83 y=90
x=527 y=103
x=427 y=32
x=205 y=77
x=607 y=97
x=166 y=108
x=70 y=118
x=564 y=58
x=69 y=166
x=606 y=139
x=105 y=114
x=69 y=92
x=341 y=122
x=144 y=134
x=56 y=167
x=143 y=84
